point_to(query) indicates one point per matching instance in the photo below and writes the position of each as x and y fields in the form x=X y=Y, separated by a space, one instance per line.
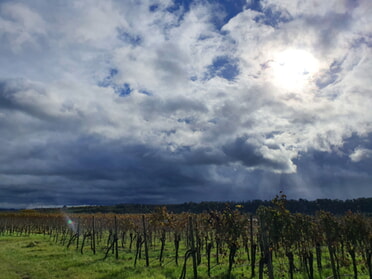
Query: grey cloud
x=170 y=62
x=175 y=109
x=331 y=75
x=330 y=27
x=89 y=169
x=30 y=110
x=20 y=25
x=20 y=95
x=360 y=154
x=251 y=155
x=327 y=174
x=205 y=156
x=99 y=173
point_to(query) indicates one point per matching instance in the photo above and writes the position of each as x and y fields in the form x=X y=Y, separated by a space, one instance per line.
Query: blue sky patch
x=186 y=120
x=180 y=4
x=224 y=67
x=131 y=39
x=255 y=5
x=123 y=90
x=153 y=8
x=107 y=81
x=113 y=72
x=273 y=17
x=227 y=8
x=232 y=7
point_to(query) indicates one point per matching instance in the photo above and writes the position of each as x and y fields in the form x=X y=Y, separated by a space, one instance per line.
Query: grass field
x=38 y=257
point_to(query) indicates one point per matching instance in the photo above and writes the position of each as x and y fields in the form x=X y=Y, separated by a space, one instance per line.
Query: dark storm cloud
x=92 y=169
x=97 y=171
x=332 y=173
x=247 y=153
x=17 y=94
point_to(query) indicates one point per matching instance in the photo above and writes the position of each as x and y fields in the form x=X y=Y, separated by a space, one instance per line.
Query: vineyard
x=272 y=243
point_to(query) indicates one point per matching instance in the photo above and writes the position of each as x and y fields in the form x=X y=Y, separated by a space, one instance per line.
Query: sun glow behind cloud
x=293 y=69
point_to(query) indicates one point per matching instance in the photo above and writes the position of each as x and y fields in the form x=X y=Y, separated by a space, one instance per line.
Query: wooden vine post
x=331 y=228
x=116 y=238
x=192 y=241
x=145 y=240
x=93 y=236
x=253 y=247
x=78 y=234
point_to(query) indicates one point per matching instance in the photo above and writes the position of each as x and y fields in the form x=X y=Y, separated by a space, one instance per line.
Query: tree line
x=334 y=206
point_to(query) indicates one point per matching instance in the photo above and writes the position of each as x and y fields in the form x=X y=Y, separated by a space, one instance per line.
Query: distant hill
x=363 y=205
x=7 y=209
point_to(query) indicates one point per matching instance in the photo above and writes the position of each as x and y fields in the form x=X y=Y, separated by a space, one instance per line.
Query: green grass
x=38 y=256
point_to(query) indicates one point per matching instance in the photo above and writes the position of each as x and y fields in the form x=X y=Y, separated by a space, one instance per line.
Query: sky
x=171 y=101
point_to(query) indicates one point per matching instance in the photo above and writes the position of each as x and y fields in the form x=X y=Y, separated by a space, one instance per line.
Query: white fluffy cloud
x=360 y=154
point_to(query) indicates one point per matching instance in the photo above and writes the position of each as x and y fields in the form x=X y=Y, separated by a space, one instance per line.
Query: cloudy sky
x=168 y=101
